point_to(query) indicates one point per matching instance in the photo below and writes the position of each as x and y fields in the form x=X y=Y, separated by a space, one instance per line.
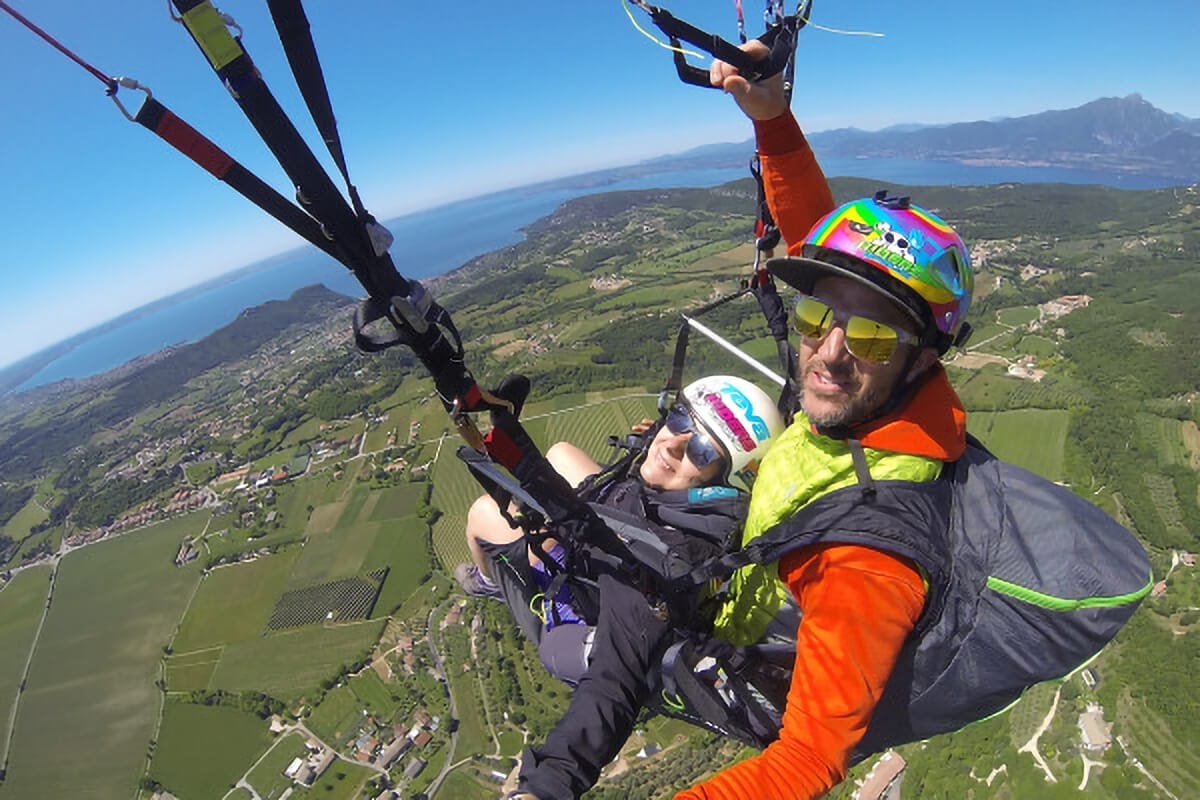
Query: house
x=1095 y=732
x=397 y=748
x=277 y=724
x=423 y=738
x=328 y=758
x=413 y=768
x=649 y=750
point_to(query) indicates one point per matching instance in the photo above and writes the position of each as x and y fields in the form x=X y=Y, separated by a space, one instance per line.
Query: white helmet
x=738 y=415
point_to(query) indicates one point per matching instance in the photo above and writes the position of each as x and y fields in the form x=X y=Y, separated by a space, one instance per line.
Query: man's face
x=837 y=388
x=668 y=467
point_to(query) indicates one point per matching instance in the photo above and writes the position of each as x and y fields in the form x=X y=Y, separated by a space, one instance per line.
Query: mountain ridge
x=1116 y=134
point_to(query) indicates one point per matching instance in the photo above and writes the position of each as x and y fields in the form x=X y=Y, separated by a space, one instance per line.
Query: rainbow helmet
x=898 y=249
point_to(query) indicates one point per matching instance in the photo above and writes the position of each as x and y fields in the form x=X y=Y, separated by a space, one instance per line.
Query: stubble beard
x=848 y=412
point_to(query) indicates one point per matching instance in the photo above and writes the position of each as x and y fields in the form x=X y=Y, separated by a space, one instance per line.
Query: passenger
x=691 y=482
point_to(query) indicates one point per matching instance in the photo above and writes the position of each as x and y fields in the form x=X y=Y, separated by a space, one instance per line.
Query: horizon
x=101 y=209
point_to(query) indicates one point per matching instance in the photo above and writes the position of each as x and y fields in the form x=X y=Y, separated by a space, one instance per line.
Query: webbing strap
x=160 y=120
x=295 y=35
x=314 y=189
x=675 y=376
x=348 y=236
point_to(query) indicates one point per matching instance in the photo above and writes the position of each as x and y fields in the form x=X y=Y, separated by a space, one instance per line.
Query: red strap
x=502 y=448
x=193 y=144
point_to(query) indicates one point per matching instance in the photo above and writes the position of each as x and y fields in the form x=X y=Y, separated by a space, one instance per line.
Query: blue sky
x=437 y=102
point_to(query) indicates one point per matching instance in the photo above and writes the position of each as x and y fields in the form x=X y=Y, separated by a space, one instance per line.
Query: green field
x=460 y=786
x=291 y=663
x=191 y=677
x=18 y=527
x=1169 y=435
x=342 y=781
x=334 y=555
x=1017 y=316
x=400 y=545
x=91 y=689
x=203 y=750
x=395 y=502
x=337 y=715
x=267 y=777
x=374 y=696
x=1032 y=438
x=233 y=603
x=21 y=604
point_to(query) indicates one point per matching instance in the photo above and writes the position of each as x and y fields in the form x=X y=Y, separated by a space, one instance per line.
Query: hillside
x=247 y=478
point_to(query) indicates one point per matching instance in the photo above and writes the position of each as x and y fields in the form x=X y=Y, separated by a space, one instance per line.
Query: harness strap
x=315 y=191
x=295 y=34
x=173 y=130
x=861 y=469
x=674 y=380
x=703 y=678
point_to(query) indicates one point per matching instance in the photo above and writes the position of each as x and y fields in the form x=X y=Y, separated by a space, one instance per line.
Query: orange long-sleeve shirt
x=797 y=192
x=859 y=606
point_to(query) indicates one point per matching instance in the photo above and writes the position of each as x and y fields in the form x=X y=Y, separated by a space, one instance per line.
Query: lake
x=435 y=241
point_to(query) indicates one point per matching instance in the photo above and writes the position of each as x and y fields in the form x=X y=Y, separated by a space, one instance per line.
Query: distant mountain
x=1112 y=134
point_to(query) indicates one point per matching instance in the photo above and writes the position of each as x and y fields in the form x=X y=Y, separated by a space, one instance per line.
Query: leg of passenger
x=571 y=462
x=605 y=706
x=485 y=523
x=516 y=585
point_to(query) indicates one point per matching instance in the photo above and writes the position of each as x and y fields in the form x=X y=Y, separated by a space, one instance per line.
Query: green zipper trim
x=1053 y=603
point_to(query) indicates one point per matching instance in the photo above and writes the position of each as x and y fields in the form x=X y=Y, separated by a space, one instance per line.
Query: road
x=1142 y=769
x=1031 y=746
x=12 y=715
x=431 y=639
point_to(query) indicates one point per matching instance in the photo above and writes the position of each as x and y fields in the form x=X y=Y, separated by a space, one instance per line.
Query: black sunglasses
x=701 y=449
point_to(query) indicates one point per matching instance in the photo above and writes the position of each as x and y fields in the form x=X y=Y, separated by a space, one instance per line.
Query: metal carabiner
x=126 y=83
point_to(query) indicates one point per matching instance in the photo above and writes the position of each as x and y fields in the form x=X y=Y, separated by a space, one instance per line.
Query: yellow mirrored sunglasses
x=866 y=338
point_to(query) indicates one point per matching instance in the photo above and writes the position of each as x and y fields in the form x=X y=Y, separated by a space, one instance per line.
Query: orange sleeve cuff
x=795 y=186
x=858 y=605
x=779 y=135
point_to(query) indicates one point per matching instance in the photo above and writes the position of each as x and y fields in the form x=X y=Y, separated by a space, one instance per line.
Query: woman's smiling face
x=668 y=467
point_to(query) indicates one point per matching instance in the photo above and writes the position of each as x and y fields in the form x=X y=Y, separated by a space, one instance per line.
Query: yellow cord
x=540 y=610
x=812 y=24
x=650 y=36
